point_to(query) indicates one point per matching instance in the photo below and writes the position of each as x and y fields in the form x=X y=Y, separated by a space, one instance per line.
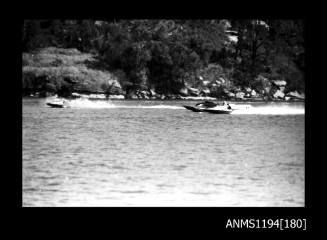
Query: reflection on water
x=164 y=156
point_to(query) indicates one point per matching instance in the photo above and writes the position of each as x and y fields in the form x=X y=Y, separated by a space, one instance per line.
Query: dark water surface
x=155 y=153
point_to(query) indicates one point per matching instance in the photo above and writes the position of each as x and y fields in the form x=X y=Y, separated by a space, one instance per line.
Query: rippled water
x=155 y=153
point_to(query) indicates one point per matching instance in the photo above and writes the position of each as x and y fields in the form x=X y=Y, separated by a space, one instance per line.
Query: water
x=156 y=153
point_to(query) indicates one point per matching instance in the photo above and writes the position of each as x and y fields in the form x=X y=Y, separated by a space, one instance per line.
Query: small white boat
x=57 y=103
x=210 y=107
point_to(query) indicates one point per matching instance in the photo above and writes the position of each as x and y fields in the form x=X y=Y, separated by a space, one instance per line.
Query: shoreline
x=62 y=72
x=178 y=100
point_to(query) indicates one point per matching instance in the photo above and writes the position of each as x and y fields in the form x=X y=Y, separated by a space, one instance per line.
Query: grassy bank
x=62 y=71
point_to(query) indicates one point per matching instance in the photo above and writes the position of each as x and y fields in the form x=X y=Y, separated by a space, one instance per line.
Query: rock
x=139 y=93
x=240 y=95
x=225 y=91
x=261 y=78
x=132 y=95
x=157 y=96
x=221 y=80
x=114 y=83
x=206 y=83
x=267 y=90
x=169 y=96
x=198 y=98
x=205 y=92
x=237 y=89
x=253 y=93
x=279 y=94
x=263 y=83
x=153 y=93
x=183 y=91
x=230 y=94
x=116 y=97
x=257 y=98
x=280 y=83
x=287 y=98
x=248 y=90
x=46 y=94
x=97 y=96
x=115 y=91
x=295 y=94
x=193 y=91
x=213 y=85
x=76 y=95
x=143 y=94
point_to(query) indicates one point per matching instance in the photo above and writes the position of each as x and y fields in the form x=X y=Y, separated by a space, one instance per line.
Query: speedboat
x=210 y=107
x=218 y=110
x=206 y=104
x=57 y=103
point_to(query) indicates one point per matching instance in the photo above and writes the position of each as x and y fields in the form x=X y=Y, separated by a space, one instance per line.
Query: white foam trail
x=272 y=110
x=159 y=106
x=86 y=103
x=240 y=108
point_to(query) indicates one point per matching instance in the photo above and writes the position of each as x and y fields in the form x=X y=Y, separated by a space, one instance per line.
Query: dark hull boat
x=194 y=109
x=218 y=111
x=55 y=105
x=212 y=110
x=209 y=107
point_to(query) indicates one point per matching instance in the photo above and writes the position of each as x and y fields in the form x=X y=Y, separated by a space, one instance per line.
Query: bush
x=295 y=81
x=218 y=92
x=212 y=72
x=50 y=87
x=122 y=78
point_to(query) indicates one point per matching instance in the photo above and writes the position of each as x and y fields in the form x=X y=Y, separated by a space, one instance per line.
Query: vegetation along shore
x=255 y=60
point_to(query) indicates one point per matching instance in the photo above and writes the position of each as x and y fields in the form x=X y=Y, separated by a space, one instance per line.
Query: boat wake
x=271 y=109
x=100 y=104
x=86 y=103
x=159 y=106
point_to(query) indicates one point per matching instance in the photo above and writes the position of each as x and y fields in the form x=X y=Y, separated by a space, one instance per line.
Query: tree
x=31 y=30
x=205 y=37
x=251 y=48
x=166 y=54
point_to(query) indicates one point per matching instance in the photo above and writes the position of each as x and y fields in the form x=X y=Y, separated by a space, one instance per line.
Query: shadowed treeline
x=214 y=57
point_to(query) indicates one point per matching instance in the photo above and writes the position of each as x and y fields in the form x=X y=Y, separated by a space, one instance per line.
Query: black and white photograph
x=163 y=112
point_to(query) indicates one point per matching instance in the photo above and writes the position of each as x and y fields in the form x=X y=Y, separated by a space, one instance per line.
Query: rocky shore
x=70 y=73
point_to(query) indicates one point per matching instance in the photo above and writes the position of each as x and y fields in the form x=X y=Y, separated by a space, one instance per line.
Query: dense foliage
x=166 y=55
